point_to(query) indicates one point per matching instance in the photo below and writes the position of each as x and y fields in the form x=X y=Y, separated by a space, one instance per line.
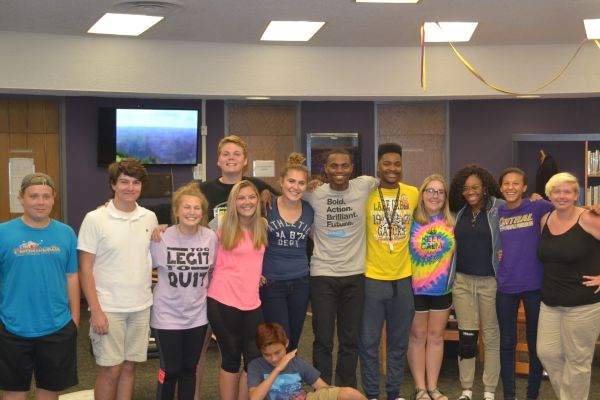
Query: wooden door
x=29 y=129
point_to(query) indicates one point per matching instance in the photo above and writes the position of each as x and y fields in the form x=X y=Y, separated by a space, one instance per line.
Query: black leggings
x=235 y=330
x=180 y=351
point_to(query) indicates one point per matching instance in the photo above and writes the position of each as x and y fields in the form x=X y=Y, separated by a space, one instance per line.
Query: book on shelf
x=593 y=162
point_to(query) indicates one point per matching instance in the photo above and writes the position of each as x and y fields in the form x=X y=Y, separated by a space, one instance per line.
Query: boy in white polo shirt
x=116 y=277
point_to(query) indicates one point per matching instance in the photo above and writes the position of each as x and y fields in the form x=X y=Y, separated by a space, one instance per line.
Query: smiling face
x=473 y=191
x=293 y=184
x=273 y=353
x=189 y=211
x=563 y=196
x=37 y=202
x=246 y=203
x=434 y=197
x=232 y=160
x=127 y=190
x=513 y=187
x=338 y=170
x=389 y=169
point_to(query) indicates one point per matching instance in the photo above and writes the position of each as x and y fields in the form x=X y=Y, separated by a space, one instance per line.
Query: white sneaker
x=489 y=396
x=466 y=395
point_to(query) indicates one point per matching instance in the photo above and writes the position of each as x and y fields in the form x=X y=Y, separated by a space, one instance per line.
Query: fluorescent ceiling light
x=592 y=28
x=258 y=98
x=387 y=1
x=528 y=96
x=123 y=24
x=449 y=31
x=291 y=31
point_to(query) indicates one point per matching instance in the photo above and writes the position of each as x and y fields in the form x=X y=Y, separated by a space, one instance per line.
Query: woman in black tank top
x=570 y=312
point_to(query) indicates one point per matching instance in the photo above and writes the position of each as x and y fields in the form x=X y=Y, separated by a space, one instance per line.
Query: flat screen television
x=153 y=136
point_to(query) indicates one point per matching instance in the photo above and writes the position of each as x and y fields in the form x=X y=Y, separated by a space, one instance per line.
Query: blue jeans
x=392 y=302
x=285 y=302
x=507 y=307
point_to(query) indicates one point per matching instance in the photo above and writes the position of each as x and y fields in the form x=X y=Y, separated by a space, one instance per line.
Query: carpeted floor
x=146 y=373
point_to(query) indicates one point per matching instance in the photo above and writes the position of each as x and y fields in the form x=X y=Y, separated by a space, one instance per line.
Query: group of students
x=384 y=252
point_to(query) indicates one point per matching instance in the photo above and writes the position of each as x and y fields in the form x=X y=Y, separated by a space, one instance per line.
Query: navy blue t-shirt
x=285 y=257
x=474 y=244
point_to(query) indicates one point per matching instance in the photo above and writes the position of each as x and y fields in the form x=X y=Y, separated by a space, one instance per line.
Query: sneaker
x=489 y=396
x=466 y=395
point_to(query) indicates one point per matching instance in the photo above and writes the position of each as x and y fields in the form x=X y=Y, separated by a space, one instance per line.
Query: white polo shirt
x=122 y=268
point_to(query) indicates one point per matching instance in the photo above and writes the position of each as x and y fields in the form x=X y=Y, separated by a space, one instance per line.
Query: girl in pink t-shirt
x=233 y=302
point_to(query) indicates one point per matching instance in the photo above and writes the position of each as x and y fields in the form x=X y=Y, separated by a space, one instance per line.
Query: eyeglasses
x=473 y=188
x=433 y=192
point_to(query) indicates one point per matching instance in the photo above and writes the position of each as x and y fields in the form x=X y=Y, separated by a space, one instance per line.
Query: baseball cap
x=37 y=178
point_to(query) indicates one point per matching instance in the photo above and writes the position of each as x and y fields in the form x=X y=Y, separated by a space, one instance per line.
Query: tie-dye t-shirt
x=431 y=251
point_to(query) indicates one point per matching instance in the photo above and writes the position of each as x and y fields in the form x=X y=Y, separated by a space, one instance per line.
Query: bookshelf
x=574 y=152
x=592 y=173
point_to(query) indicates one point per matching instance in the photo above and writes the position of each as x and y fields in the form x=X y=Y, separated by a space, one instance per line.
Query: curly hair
x=490 y=186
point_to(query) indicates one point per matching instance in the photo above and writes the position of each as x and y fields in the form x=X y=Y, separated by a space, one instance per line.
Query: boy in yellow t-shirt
x=388 y=286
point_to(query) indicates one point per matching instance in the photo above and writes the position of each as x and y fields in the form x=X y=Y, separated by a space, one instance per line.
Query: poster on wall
x=18 y=168
x=320 y=144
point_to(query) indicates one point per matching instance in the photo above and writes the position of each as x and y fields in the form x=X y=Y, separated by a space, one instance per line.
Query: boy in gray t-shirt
x=337 y=266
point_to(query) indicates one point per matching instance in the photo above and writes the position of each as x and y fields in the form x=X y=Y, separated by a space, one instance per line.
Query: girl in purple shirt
x=184 y=258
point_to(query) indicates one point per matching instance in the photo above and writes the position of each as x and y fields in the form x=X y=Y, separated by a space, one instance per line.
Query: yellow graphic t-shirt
x=390 y=259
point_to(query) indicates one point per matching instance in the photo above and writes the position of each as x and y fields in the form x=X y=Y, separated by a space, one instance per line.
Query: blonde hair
x=295 y=162
x=421 y=215
x=190 y=189
x=231 y=231
x=235 y=140
x=559 y=179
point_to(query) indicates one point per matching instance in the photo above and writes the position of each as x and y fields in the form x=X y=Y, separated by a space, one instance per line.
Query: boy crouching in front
x=280 y=376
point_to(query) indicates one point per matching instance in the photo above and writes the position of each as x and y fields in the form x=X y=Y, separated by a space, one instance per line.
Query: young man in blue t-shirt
x=39 y=297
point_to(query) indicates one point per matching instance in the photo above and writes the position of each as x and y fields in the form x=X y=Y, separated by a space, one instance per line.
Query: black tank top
x=566 y=258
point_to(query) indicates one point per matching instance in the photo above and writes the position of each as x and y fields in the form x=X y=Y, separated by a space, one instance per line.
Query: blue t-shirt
x=520 y=269
x=288 y=384
x=285 y=257
x=34 y=263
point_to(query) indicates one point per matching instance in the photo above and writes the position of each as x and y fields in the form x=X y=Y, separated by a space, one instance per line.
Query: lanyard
x=389 y=218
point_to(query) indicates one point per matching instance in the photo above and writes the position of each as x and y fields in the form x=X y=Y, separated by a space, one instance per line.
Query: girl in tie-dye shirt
x=431 y=248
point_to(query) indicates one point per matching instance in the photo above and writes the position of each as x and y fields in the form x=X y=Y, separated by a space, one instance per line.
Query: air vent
x=147 y=7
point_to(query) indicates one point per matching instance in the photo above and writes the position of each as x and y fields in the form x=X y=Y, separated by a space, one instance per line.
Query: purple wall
x=342 y=116
x=481 y=130
x=87 y=183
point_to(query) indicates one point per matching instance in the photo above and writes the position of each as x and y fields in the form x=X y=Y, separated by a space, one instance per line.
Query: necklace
x=474 y=214
x=389 y=218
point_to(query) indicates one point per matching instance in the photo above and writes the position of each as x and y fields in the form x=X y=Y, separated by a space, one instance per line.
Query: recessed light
x=592 y=28
x=124 y=24
x=258 y=98
x=387 y=1
x=291 y=31
x=449 y=31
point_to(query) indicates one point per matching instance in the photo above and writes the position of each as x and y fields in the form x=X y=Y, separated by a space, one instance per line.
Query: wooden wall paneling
x=269 y=130
x=259 y=120
x=421 y=157
x=412 y=119
x=17 y=116
x=4 y=186
x=270 y=148
x=420 y=129
x=51 y=117
x=31 y=126
x=36 y=118
x=4 y=116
